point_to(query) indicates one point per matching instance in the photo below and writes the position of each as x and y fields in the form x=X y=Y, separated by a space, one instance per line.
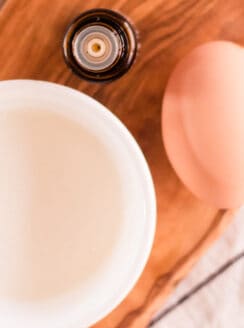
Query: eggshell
x=203 y=123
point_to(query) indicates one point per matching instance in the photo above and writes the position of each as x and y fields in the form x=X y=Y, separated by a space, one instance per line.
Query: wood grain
x=2 y=3
x=30 y=43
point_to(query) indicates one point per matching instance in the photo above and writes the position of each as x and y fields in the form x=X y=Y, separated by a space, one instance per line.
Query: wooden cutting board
x=31 y=33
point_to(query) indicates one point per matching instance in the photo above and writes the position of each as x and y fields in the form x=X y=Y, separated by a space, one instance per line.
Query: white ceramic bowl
x=107 y=287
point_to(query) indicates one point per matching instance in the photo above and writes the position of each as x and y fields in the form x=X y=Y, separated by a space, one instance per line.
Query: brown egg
x=203 y=123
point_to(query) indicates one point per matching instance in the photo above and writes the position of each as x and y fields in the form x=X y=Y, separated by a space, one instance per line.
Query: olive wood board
x=31 y=33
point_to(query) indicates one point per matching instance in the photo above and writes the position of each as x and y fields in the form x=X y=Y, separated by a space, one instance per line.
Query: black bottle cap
x=99 y=45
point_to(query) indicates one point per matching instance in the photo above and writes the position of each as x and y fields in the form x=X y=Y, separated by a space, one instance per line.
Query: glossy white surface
x=107 y=284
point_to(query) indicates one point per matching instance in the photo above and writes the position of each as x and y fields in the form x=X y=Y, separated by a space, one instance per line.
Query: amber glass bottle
x=100 y=45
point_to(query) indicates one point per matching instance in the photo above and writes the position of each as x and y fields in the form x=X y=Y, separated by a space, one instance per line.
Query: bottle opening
x=100 y=45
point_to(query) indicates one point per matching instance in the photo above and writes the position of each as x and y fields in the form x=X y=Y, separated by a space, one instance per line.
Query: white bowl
x=107 y=286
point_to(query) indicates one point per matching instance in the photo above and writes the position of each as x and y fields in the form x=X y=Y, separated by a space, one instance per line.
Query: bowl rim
x=139 y=159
